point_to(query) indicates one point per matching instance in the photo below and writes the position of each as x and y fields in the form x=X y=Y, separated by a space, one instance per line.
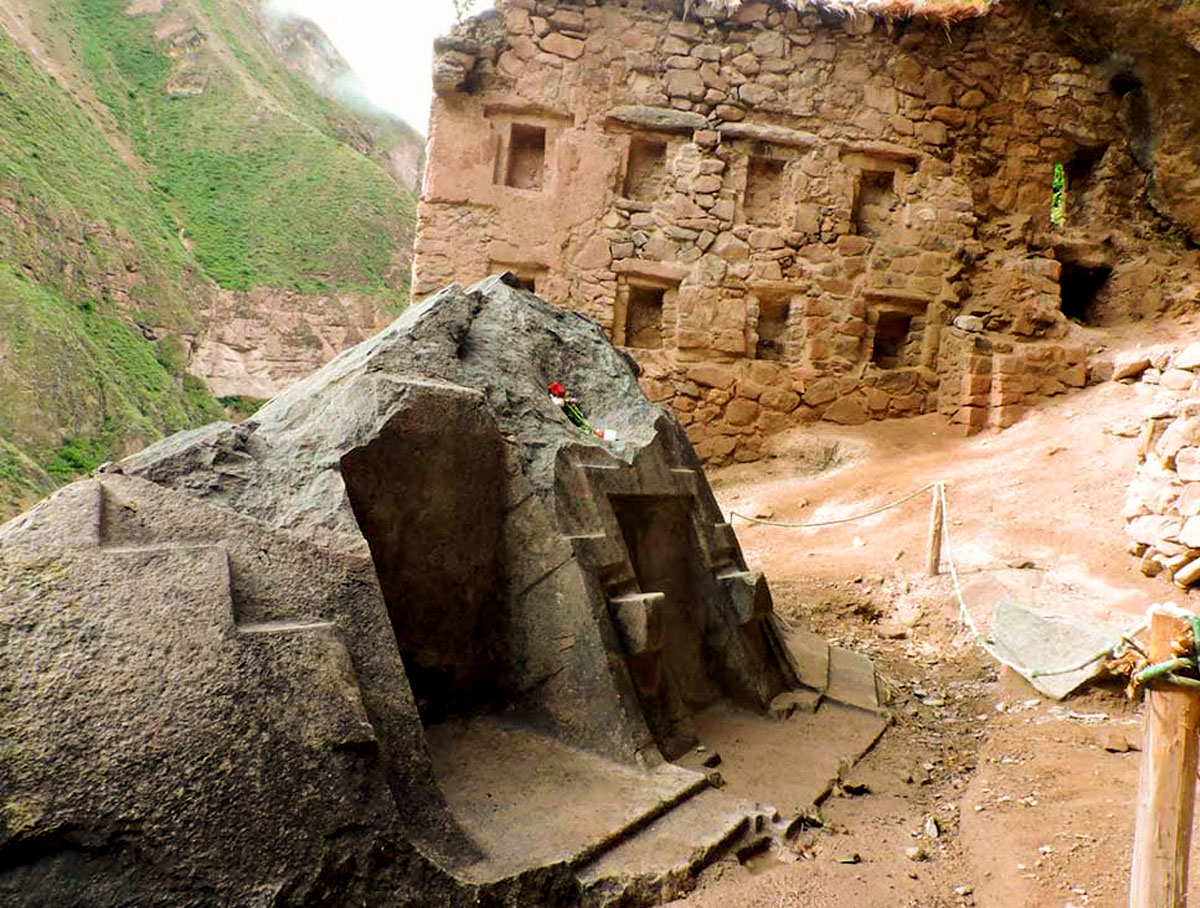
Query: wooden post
x=1167 y=785
x=936 y=517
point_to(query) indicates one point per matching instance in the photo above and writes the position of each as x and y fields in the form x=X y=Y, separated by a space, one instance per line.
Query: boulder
x=1188 y=357
x=1130 y=366
x=240 y=666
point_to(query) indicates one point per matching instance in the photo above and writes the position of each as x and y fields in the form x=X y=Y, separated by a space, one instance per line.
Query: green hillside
x=139 y=176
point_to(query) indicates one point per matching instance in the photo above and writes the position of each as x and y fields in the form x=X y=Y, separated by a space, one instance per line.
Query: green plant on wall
x=462 y=9
x=1058 y=197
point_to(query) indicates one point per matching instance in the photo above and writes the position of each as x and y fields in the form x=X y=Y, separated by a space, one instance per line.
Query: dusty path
x=1033 y=799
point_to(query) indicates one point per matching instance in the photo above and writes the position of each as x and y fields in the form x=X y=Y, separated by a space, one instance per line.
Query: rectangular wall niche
x=897 y=339
x=875 y=203
x=646 y=170
x=530 y=277
x=644 y=317
x=526 y=157
x=644 y=312
x=774 y=315
x=765 y=190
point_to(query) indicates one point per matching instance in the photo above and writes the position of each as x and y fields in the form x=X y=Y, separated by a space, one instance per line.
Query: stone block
x=847 y=411
x=1189 y=500
x=779 y=399
x=749 y=389
x=978 y=383
x=951 y=116
x=764 y=239
x=1188 y=357
x=1190 y=534
x=907 y=404
x=933 y=133
x=562 y=46
x=1188 y=576
x=973 y=417
x=973 y=99
x=1130 y=366
x=1176 y=379
x=712 y=375
x=821 y=391
x=741 y=412
x=851 y=245
x=685 y=83
x=1187 y=464
x=638 y=618
x=770 y=374
x=877 y=400
x=1154 y=529
x=1076 y=376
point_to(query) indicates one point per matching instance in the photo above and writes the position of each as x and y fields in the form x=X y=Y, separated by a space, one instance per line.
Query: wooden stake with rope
x=936 y=518
x=1167 y=783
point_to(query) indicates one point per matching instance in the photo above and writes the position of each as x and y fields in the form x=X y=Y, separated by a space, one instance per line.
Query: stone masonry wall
x=785 y=217
x=1162 y=510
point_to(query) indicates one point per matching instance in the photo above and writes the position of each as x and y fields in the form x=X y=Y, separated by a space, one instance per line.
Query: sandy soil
x=1032 y=799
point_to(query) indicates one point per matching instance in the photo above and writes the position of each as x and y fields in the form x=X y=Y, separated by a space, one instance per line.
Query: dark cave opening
x=1080 y=285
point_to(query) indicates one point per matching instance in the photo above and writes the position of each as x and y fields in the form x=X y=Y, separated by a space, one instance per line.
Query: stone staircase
x=828 y=673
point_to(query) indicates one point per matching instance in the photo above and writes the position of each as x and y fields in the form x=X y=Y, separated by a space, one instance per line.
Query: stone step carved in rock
x=639 y=621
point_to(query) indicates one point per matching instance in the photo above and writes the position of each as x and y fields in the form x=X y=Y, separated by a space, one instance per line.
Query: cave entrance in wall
x=644 y=317
x=772 y=328
x=892 y=332
x=1080 y=287
x=1080 y=172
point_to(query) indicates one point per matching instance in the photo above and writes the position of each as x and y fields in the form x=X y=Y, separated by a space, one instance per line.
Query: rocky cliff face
x=187 y=210
x=1151 y=51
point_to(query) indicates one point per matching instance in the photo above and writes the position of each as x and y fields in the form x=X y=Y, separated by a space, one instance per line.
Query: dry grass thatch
x=945 y=12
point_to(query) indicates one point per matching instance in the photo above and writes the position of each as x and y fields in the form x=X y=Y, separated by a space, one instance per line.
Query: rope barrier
x=986 y=645
x=1118 y=646
x=829 y=523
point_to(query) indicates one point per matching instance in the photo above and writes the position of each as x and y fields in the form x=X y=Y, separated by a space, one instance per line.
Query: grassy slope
x=266 y=193
x=251 y=172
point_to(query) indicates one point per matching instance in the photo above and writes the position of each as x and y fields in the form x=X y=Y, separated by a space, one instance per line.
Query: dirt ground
x=982 y=792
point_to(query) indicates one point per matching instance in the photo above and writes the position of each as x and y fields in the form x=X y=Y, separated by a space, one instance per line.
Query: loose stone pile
x=1163 y=507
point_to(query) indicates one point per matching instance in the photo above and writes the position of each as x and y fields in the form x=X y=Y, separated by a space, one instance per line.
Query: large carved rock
x=357 y=649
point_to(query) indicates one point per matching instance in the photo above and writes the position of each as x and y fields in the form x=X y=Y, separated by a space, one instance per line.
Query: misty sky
x=389 y=43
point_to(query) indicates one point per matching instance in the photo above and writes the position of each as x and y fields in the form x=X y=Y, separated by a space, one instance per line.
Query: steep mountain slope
x=178 y=203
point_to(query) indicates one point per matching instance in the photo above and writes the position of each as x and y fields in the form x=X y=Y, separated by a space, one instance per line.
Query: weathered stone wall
x=786 y=217
x=1162 y=511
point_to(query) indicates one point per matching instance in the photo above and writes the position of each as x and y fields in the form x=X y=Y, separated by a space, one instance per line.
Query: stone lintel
x=888 y=151
x=658 y=119
x=900 y=299
x=520 y=107
x=662 y=271
x=774 y=135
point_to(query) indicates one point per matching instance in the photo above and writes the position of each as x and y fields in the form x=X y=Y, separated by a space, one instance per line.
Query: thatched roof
x=941 y=11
